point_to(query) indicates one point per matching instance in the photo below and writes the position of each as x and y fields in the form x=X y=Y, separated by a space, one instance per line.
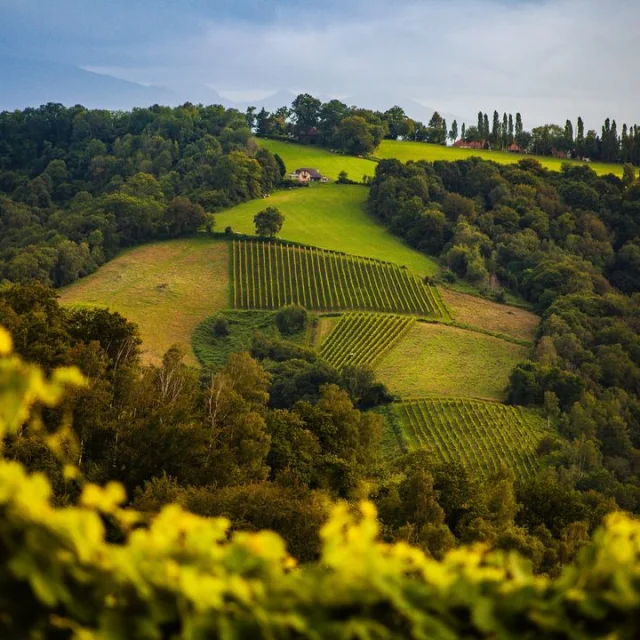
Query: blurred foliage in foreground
x=95 y=570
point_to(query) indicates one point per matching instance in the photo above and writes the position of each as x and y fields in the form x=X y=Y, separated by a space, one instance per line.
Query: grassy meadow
x=166 y=288
x=490 y=316
x=405 y=151
x=296 y=156
x=330 y=216
x=436 y=359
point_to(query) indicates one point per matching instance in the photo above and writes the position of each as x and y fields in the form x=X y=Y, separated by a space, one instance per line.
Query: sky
x=548 y=59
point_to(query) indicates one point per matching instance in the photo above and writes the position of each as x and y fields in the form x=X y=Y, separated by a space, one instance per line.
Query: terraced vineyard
x=480 y=435
x=271 y=275
x=362 y=338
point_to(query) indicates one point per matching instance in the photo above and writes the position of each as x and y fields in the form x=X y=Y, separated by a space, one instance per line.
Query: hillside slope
x=330 y=216
x=166 y=288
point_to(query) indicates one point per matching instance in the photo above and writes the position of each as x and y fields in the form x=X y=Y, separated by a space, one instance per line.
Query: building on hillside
x=514 y=148
x=307 y=175
x=472 y=144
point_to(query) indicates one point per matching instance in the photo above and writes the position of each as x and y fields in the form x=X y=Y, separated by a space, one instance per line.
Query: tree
x=453 y=134
x=495 y=129
x=355 y=135
x=264 y=125
x=268 y=222
x=580 y=138
x=306 y=112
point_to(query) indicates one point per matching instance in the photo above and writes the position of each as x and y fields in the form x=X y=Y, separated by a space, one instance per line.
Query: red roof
x=464 y=144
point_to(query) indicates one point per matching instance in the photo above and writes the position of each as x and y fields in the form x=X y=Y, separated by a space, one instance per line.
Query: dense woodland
x=78 y=185
x=351 y=129
x=568 y=243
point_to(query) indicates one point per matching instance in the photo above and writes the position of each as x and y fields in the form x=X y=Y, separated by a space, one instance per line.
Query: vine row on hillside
x=272 y=275
x=363 y=338
x=480 y=435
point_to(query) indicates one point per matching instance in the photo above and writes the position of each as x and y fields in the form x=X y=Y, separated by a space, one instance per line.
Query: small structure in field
x=514 y=148
x=308 y=175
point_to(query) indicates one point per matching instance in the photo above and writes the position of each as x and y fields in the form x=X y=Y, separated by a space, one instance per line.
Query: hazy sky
x=549 y=59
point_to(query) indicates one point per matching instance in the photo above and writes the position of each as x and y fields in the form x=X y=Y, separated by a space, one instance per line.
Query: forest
x=79 y=185
x=568 y=244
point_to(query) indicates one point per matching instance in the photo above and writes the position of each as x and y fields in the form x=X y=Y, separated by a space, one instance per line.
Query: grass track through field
x=300 y=273
x=363 y=338
x=480 y=435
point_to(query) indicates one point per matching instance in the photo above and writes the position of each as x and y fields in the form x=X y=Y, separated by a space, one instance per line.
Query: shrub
x=221 y=327
x=291 y=319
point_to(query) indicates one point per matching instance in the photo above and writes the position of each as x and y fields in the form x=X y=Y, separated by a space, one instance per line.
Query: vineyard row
x=272 y=275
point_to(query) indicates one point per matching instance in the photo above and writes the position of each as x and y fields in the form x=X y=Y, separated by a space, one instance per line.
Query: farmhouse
x=308 y=175
x=468 y=144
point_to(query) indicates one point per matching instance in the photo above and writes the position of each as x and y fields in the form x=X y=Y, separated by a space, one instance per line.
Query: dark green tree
x=268 y=222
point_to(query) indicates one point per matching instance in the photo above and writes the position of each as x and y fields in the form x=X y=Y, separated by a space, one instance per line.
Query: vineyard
x=272 y=275
x=362 y=338
x=479 y=435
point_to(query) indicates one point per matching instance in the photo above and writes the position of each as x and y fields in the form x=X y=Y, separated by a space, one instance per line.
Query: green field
x=269 y=275
x=330 y=216
x=297 y=156
x=363 y=338
x=436 y=359
x=405 y=151
x=482 y=436
x=166 y=288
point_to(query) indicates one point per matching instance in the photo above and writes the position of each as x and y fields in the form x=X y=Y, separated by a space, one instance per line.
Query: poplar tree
x=495 y=129
x=580 y=138
x=510 y=129
x=505 y=131
x=485 y=127
x=453 y=134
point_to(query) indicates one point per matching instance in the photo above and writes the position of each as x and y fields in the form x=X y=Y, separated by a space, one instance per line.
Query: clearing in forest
x=363 y=338
x=270 y=275
x=491 y=316
x=405 y=151
x=482 y=436
x=166 y=288
x=436 y=359
x=330 y=216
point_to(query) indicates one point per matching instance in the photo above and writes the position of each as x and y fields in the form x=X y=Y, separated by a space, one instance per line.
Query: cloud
x=549 y=59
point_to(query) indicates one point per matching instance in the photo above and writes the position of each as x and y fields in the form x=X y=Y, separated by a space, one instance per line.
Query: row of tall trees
x=76 y=185
x=351 y=129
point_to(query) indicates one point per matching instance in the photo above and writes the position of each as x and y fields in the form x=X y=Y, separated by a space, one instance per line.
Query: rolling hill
x=166 y=288
x=329 y=164
x=405 y=151
x=330 y=216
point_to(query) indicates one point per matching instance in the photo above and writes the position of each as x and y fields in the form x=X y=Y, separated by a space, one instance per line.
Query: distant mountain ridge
x=30 y=83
